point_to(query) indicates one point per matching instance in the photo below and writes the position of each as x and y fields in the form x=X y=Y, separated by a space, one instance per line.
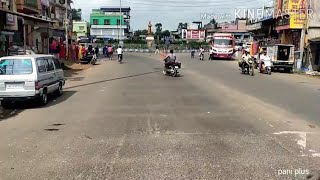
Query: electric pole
x=120 y=24
x=66 y=28
x=303 y=35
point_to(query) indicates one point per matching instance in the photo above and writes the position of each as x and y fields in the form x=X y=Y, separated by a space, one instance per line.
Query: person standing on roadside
x=97 y=51
x=110 y=52
x=157 y=50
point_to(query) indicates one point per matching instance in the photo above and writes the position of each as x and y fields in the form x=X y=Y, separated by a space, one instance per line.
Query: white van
x=26 y=77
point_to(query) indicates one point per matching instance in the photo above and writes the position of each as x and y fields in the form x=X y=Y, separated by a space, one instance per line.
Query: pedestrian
x=211 y=54
x=192 y=53
x=110 y=52
x=157 y=50
x=77 y=52
x=105 y=51
x=97 y=51
x=80 y=54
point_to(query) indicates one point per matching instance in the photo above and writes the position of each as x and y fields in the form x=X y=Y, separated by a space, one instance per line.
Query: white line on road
x=302 y=142
x=270 y=124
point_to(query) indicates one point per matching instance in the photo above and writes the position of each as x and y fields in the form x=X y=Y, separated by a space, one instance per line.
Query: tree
x=137 y=33
x=166 y=33
x=158 y=28
x=182 y=26
x=76 y=14
x=213 y=21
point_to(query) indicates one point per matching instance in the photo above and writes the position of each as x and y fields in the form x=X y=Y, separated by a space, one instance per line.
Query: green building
x=110 y=23
x=81 y=28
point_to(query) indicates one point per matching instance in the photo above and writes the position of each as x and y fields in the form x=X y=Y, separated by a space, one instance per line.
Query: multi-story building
x=108 y=22
x=31 y=23
x=81 y=28
x=288 y=26
x=237 y=28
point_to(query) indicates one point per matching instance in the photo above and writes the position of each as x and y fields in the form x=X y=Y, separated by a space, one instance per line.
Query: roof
x=27 y=56
x=115 y=8
x=232 y=31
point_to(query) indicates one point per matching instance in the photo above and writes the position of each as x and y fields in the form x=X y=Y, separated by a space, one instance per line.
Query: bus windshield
x=222 y=42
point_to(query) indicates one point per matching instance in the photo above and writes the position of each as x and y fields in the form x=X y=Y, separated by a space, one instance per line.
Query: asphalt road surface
x=129 y=121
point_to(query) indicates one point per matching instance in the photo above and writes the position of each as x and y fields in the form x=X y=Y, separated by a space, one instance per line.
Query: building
x=108 y=22
x=238 y=28
x=81 y=28
x=313 y=35
x=263 y=28
x=31 y=23
x=289 y=25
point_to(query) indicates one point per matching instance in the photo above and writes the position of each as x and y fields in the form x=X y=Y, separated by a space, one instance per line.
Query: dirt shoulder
x=71 y=69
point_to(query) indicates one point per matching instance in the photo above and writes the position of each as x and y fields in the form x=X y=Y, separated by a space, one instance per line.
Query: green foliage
x=76 y=14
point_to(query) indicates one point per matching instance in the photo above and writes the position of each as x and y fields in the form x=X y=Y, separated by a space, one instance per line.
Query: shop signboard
x=297 y=13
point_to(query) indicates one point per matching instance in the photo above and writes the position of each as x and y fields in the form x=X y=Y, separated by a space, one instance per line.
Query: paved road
x=129 y=121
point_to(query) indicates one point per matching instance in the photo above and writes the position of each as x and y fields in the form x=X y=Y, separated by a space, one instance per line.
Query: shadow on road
x=113 y=79
x=21 y=106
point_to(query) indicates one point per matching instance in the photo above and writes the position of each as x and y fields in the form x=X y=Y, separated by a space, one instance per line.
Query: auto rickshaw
x=282 y=56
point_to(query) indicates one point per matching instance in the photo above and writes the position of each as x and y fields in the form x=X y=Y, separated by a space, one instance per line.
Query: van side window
x=50 y=65
x=42 y=65
x=57 y=63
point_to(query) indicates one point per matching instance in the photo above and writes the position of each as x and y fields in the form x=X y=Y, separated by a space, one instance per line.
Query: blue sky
x=171 y=12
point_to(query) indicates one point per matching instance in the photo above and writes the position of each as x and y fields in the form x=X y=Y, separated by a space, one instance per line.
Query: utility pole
x=303 y=34
x=66 y=28
x=120 y=40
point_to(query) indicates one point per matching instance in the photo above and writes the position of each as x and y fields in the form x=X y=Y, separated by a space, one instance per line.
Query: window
x=50 y=66
x=95 y=21
x=15 y=67
x=57 y=63
x=42 y=65
x=81 y=28
x=106 y=22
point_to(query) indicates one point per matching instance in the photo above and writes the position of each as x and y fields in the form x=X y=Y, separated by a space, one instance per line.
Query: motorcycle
x=172 y=69
x=120 y=58
x=89 y=58
x=266 y=66
x=248 y=67
x=201 y=56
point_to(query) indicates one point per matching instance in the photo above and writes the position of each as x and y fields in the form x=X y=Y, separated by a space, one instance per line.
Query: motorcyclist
x=244 y=59
x=120 y=52
x=201 y=52
x=263 y=57
x=169 y=59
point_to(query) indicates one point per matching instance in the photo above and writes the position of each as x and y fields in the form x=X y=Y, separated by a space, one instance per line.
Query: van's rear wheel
x=43 y=98
x=59 y=91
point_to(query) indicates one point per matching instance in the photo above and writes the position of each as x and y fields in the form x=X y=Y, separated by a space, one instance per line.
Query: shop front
x=11 y=31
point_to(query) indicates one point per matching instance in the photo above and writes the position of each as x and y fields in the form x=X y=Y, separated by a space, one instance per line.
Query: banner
x=297 y=13
x=194 y=34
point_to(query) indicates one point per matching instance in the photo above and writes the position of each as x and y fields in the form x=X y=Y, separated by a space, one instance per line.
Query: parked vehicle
x=89 y=58
x=282 y=56
x=27 y=77
x=172 y=69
